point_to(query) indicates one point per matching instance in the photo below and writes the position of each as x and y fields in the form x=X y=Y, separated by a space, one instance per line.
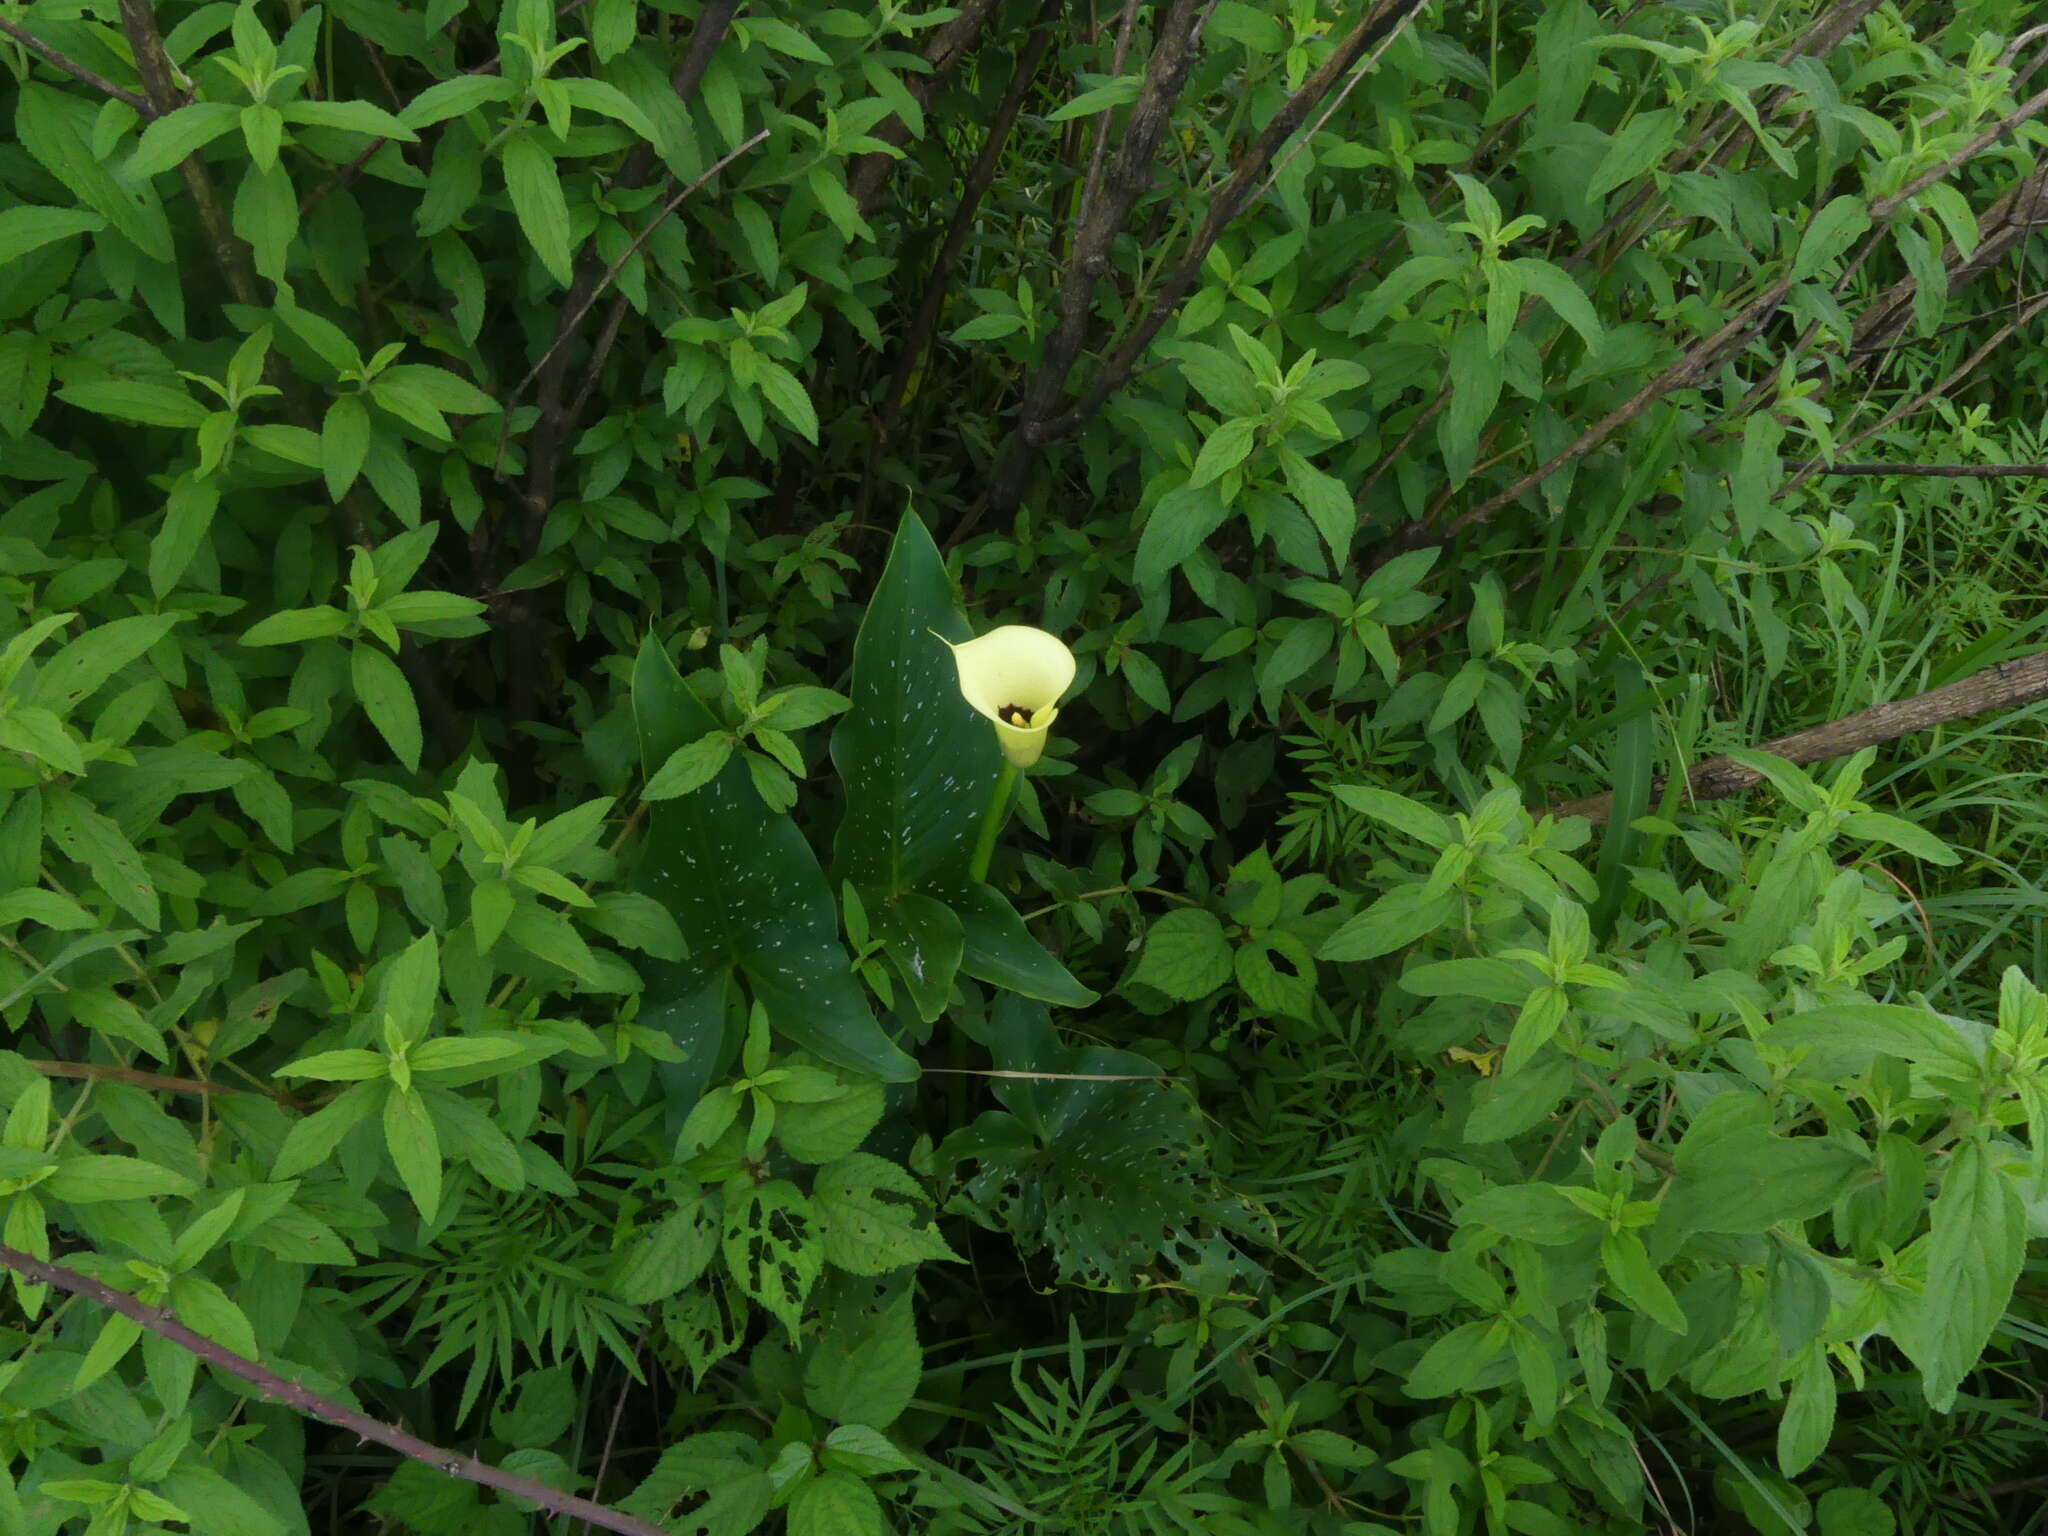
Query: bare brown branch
x=70 y=66
x=551 y=431
x=556 y=422
x=1982 y=353
x=1939 y=471
x=2008 y=685
x=979 y=179
x=1237 y=195
x=104 y=1072
x=950 y=44
x=1690 y=366
x=161 y=1322
x=138 y=21
x=2001 y=228
x=1101 y=220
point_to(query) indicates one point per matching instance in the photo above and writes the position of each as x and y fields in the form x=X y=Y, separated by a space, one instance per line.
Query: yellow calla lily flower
x=1015 y=675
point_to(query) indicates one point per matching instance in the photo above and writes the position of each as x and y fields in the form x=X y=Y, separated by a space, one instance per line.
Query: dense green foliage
x=485 y=916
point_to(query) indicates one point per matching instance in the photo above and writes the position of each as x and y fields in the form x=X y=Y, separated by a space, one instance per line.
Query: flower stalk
x=992 y=819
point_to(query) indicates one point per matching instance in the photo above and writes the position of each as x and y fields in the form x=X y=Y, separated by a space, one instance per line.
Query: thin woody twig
x=949 y=44
x=1101 y=220
x=1363 y=68
x=1884 y=207
x=1819 y=40
x=1697 y=359
x=712 y=24
x=611 y=1435
x=134 y=1077
x=2008 y=685
x=161 y=1322
x=231 y=254
x=1941 y=471
x=138 y=23
x=611 y=273
x=1380 y=25
x=143 y=106
x=979 y=179
x=1690 y=366
x=2001 y=229
x=552 y=430
x=1037 y=425
x=1962 y=370
x=607 y=337
x=556 y=422
x=2012 y=49
x=1091 y=183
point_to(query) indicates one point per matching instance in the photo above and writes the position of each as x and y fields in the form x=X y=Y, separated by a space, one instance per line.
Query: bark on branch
x=1237 y=195
x=138 y=23
x=2016 y=210
x=2008 y=685
x=949 y=45
x=1101 y=219
x=161 y=1322
x=2001 y=227
x=979 y=179
x=1104 y=218
x=144 y=108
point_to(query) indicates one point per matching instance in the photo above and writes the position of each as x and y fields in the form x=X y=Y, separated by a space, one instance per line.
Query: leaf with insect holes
x=772 y=1247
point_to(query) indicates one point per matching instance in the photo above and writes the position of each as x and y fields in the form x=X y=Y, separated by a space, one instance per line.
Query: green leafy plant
x=1507 y=1001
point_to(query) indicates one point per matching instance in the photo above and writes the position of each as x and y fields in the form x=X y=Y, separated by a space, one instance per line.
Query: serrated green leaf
x=30 y=228
x=874 y=1217
x=772 y=1248
x=188 y=516
x=1975 y=1249
x=1186 y=955
x=88 y=1178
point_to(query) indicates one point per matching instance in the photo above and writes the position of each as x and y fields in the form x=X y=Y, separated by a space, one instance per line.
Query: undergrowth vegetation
x=504 y=1028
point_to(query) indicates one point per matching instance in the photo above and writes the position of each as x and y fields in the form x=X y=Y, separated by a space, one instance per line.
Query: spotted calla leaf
x=917 y=761
x=751 y=901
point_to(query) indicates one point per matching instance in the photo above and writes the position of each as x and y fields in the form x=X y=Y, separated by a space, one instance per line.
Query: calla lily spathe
x=1015 y=675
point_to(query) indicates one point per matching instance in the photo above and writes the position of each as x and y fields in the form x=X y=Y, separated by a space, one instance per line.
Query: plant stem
x=992 y=820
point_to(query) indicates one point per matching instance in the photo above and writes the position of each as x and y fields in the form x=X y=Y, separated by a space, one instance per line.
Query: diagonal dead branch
x=1691 y=366
x=557 y=420
x=161 y=1322
x=1725 y=124
x=1941 y=471
x=1969 y=365
x=2010 y=220
x=1697 y=360
x=551 y=431
x=134 y=1077
x=2008 y=685
x=144 y=107
x=138 y=22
